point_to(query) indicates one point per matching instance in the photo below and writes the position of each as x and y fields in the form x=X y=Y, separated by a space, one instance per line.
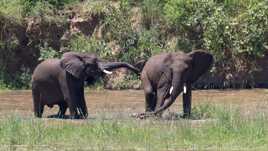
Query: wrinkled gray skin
x=166 y=75
x=61 y=82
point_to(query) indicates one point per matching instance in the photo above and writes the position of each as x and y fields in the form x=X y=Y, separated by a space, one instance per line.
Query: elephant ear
x=201 y=62
x=73 y=63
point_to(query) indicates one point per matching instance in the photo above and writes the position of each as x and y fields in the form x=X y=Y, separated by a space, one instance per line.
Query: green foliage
x=152 y=13
x=47 y=52
x=147 y=45
x=12 y=9
x=216 y=37
x=234 y=31
x=118 y=24
x=81 y=43
x=22 y=8
x=244 y=33
x=18 y=80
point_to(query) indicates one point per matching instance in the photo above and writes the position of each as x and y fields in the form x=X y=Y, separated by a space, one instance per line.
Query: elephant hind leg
x=37 y=103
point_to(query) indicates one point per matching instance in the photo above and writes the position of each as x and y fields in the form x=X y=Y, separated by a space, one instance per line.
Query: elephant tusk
x=107 y=72
x=170 y=90
x=184 y=89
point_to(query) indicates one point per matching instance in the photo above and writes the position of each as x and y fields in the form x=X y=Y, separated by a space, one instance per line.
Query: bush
x=118 y=24
x=19 y=80
x=11 y=9
x=235 y=31
x=47 y=52
x=81 y=43
x=152 y=13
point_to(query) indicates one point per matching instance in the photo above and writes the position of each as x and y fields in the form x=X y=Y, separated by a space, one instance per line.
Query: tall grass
x=229 y=130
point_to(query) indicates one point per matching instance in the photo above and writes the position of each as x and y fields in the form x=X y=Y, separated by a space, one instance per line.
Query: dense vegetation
x=235 y=31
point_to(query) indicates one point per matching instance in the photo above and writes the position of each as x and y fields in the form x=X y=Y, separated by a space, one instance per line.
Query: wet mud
x=121 y=104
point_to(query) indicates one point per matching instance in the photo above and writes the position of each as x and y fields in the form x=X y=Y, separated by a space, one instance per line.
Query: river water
x=132 y=101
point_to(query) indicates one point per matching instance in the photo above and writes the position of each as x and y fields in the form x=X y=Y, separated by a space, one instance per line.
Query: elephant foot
x=77 y=117
x=186 y=116
x=57 y=116
x=61 y=116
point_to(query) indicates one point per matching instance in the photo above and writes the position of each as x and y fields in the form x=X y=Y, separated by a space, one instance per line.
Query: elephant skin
x=61 y=82
x=166 y=75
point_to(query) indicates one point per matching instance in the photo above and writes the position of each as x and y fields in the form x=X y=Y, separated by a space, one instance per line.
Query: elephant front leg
x=72 y=106
x=62 y=110
x=187 y=97
x=150 y=102
x=69 y=90
x=81 y=104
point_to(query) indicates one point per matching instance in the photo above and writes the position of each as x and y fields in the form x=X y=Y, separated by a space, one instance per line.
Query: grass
x=228 y=131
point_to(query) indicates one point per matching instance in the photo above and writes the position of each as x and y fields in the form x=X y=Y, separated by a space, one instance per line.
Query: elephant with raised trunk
x=166 y=75
x=61 y=82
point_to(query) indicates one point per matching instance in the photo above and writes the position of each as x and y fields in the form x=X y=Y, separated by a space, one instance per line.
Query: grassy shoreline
x=229 y=130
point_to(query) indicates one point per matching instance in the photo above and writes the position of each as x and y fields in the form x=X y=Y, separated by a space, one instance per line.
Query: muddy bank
x=121 y=104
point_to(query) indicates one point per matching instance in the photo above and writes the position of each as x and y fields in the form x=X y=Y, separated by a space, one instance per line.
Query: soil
x=120 y=104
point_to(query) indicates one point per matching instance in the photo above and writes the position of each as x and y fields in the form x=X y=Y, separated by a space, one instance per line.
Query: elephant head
x=89 y=66
x=184 y=69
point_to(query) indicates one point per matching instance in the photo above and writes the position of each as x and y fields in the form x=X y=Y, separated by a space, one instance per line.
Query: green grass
x=228 y=130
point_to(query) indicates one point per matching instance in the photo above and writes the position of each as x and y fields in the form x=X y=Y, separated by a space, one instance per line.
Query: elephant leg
x=187 y=97
x=62 y=109
x=150 y=102
x=81 y=105
x=38 y=106
x=67 y=84
x=150 y=96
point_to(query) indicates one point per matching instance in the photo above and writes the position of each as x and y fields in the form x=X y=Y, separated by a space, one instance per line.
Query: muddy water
x=130 y=101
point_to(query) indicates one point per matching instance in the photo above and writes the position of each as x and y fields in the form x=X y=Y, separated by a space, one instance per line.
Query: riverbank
x=220 y=128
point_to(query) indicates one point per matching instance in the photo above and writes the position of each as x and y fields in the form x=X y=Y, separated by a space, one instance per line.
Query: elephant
x=166 y=75
x=61 y=82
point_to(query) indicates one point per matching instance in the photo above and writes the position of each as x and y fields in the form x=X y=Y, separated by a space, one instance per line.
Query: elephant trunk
x=174 y=91
x=106 y=66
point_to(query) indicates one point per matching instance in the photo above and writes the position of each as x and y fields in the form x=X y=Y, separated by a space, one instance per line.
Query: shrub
x=47 y=52
x=152 y=13
x=81 y=43
x=12 y=9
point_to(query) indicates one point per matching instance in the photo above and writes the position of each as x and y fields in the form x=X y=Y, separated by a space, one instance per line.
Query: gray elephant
x=61 y=82
x=166 y=75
